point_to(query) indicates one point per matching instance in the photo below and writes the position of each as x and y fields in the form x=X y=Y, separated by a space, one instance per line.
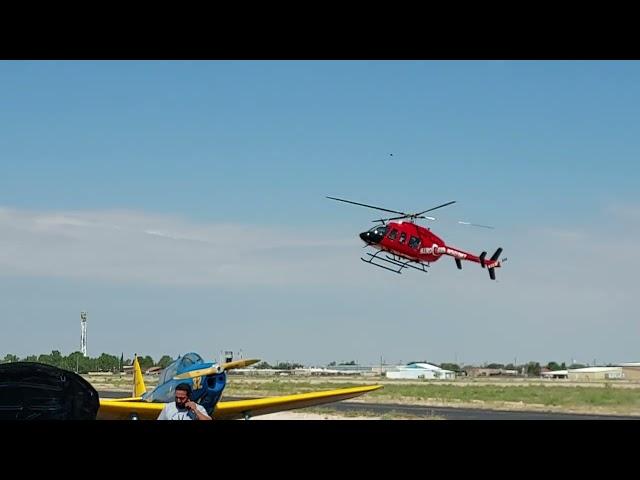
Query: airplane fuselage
x=206 y=389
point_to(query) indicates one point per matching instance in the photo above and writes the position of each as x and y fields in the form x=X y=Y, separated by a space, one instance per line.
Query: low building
x=415 y=371
x=631 y=370
x=596 y=373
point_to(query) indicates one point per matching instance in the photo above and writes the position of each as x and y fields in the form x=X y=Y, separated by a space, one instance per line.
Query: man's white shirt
x=171 y=412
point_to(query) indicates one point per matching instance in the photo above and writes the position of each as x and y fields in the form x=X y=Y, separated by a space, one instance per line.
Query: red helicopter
x=406 y=244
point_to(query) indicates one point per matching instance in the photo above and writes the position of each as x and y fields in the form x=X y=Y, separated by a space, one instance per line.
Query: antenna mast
x=83 y=333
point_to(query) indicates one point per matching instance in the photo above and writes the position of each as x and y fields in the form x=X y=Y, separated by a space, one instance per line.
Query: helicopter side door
x=401 y=239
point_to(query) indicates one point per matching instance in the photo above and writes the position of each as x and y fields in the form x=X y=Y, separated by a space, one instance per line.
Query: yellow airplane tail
x=138 y=381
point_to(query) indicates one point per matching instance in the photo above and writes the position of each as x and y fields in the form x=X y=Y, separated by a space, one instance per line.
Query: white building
x=415 y=371
x=596 y=373
x=555 y=374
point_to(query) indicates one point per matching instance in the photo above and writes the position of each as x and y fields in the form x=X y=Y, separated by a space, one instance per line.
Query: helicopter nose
x=374 y=235
x=370 y=237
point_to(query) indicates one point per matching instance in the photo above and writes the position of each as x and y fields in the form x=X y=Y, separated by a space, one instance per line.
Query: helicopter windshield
x=378 y=230
x=374 y=235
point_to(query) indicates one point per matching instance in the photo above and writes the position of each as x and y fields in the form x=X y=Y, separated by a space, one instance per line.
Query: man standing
x=183 y=408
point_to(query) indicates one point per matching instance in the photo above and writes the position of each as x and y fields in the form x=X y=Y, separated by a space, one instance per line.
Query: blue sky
x=182 y=204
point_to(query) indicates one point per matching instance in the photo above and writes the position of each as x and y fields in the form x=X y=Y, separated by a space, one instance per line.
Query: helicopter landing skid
x=393 y=261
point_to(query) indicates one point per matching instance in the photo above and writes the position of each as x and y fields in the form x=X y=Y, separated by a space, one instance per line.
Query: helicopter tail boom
x=490 y=264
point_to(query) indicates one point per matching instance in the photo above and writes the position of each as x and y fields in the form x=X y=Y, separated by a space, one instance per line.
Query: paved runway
x=453 y=413
x=449 y=413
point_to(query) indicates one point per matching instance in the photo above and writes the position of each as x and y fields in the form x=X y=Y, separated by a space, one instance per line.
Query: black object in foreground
x=35 y=391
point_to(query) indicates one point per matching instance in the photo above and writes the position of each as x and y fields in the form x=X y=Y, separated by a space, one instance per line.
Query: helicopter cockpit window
x=392 y=234
x=414 y=242
x=379 y=230
x=403 y=237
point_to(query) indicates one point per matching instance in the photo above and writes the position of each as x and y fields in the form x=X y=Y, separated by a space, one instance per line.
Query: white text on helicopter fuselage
x=436 y=250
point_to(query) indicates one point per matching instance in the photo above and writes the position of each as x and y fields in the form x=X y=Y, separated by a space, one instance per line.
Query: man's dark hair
x=185 y=387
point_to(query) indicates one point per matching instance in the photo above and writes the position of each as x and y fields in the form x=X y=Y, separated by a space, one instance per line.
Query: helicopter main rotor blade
x=404 y=216
x=476 y=225
x=435 y=208
x=396 y=218
x=368 y=206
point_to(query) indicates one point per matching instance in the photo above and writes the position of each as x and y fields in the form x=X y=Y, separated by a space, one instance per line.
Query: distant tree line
x=77 y=362
x=350 y=362
x=279 y=366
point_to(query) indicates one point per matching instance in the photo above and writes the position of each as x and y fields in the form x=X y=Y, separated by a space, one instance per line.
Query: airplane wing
x=123 y=408
x=262 y=406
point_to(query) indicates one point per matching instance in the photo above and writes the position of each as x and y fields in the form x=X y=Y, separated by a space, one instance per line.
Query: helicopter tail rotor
x=494 y=263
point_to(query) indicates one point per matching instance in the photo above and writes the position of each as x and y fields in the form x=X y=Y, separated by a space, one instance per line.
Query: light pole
x=83 y=333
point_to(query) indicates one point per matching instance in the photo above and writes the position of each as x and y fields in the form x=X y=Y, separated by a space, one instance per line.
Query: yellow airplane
x=207 y=381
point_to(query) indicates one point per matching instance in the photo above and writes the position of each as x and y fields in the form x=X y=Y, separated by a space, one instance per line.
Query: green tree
x=165 y=361
x=553 y=366
x=497 y=366
x=288 y=366
x=146 y=362
x=454 y=367
x=106 y=363
x=332 y=364
x=10 y=358
x=77 y=362
x=262 y=365
x=70 y=360
x=352 y=362
x=56 y=358
x=44 y=358
x=533 y=369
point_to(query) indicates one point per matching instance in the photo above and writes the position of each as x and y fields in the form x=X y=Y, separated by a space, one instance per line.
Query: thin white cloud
x=564 y=291
x=140 y=248
x=134 y=247
x=625 y=212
